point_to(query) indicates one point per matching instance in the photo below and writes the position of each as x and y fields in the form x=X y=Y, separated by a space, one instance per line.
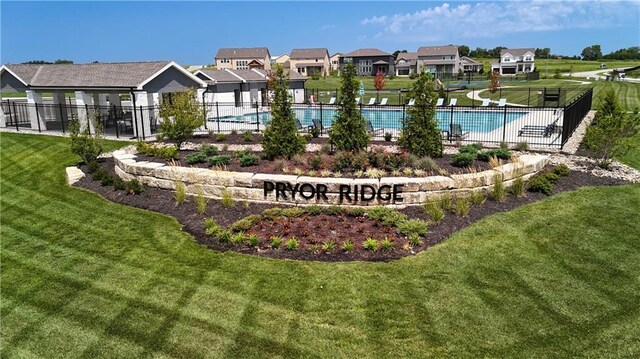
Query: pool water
x=479 y=120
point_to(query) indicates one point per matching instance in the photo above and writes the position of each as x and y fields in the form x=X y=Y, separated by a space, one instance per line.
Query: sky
x=191 y=33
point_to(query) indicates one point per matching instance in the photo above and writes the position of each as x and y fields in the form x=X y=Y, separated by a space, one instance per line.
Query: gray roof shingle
x=517 y=52
x=25 y=72
x=317 y=53
x=437 y=50
x=366 y=53
x=243 y=53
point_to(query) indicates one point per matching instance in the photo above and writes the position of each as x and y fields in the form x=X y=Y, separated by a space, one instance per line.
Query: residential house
x=439 y=60
x=282 y=59
x=369 y=61
x=468 y=64
x=308 y=61
x=335 y=61
x=406 y=63
x=515 y=61
x=243 y=58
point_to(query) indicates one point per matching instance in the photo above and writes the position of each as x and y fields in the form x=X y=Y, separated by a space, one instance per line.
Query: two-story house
x=514 y=61
x=406 y=63
x=243 y=58
x=468 y=64
x=369 y=61
x=335 y=61
x=439 y=60
x=308 y=61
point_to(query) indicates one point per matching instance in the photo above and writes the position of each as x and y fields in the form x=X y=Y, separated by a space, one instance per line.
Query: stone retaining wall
x=250 y=186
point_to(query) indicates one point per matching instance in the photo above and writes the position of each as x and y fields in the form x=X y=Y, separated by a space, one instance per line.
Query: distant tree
x=379 y=83
x=349 y=132
x=421 y=135
x=59 y=61
x=464 y=50
x=592 y=52
x=37 y=62
x=395 y=53
x=613 y=132
x=631 y=53
x=180 y=117
x=495 y=52
x=494 y=85
x=281 y=137
x=543 y=53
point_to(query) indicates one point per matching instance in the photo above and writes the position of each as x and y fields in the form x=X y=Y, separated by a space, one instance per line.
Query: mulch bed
x=312 y=229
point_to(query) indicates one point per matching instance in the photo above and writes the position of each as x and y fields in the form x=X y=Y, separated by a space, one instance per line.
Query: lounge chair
x=373 y=131
x=412 y=102
x=357 y=100
x=332 y=100
x=456 y=133
x=542 y=131
x=502 y=102
x=318 y=124
x=302 y=128
x=453 y=102
x=485 y=102
x=440 y=102
x=372 y=101
x=384 y=100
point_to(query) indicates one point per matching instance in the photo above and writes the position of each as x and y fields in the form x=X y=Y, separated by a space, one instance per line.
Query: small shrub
x=360 y=161
x=434 y=211
x=181 y=193
x=224 y=236
x=106 y=180
x=244 y=224
x=227 y=200
x=221 y=137
x=93 y=166
x=247 y=136
x=463 y=159
x=561 y=170
x=134 y=187
x=313 y=248
x=426 y=164
x=211 y=228
x=209 y=150
x=497 y=192
x=387 y=216
x=374 y=173
x=413 y=227
x=248 y=159
x=225 y=148
x=197 y=157
x=87 y=146
x=315 y=162
x=347 y=246
x=119 y=184
x=219 y=161
x=315 y=132
x=370 y=244
x=540 y=184
x=521 y=146
x=415 y=240
x=329 y=246
x=504 y=145
x=201 y=200
x=551 y=177
x=233 y=132
x=494 y=162
x=462 y=206
x=388 y=136
x=99 y=174
x=275 y=242
x=253 y=240
x=477 y=198
x=237 y=239
x=325 y=148
x=386 y=244
x=298 y=171
x=292 y=244
x=342 y=160
x=472 y=148
x=518 y=187
x=446 y=201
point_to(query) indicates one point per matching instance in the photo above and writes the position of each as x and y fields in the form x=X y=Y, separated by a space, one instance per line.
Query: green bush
x=413 y=227
x=237 y=239
x=471 y=148
x=388 y=136
x=247 y=136
x=329 y=246
x=561 y=170
x=386 y=244
x=134 y=187
x=244 y=224
x=211 y=228
x=551 y=177
x=501 y=153
x=220 y=160
x=197 y=157
x=426 y=164
x=106 y=180
x=415 y=240
x=253 y=240
x=434 y=211
x=221 y=137
x=119 y=183
x=209 y=150
x=521 y=146
x=248 y=159
x=165 y=152
x=413 y=75
x=497 y=191
x=275 y=242
x=370 y=244
x=93 y=166
x=181 y=192
x=341 y=161
x=314 y=132
x=315 y=162
x=83 y=143
x=292 y=244
x=180 y=117
x=462 y=206
x=463 y=159
x=540 y=184
x=387 y=216
x=224 y=236
x=518 y=187
x=347 y=246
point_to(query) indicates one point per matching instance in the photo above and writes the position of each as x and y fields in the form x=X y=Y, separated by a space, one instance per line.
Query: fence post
x=504 y=125
x=141 y=121
x=135 y=122
x=321 y=126
x=9 y=109
x=218 y=116
x=38 y=117
x=529 y=96
x=15 y=116
x=451 y=124
x=257 y=118
x=115 y=120
x=403 y=115
x=61 y=117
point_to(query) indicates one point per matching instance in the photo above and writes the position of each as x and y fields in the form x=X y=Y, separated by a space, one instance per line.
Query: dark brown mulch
x=238 y=139
x=311 y=229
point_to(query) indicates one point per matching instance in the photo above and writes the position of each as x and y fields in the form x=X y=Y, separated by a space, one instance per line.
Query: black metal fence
x=546 y=126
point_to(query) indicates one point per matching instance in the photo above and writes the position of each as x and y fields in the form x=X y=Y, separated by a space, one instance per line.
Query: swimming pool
x=481 y=120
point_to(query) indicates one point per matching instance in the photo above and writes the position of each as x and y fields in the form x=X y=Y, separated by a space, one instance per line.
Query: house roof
x=337 y=54
x=243 y=53
x=407 y=55
x=380 y=62
x=241 y=76
x=437 y=50
x=249 y=75
x=93 y=75
x=517 y=52
x=309 y=53
x=309 y=64
x=293 y=75
x=366 y=53
x=469 y=61
x=219 y=76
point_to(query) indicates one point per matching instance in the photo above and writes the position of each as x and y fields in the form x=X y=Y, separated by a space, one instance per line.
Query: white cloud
x=328 y=26
x=495 y=19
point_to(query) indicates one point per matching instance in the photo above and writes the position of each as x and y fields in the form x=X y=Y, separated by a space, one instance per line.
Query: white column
x=142 y=121
x=199 y=93
x=3 y=119
x=59 y=99
x=84 y=101
x=36 y=110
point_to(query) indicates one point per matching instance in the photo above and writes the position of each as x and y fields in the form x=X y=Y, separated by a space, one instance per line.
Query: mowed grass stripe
x=537 y=281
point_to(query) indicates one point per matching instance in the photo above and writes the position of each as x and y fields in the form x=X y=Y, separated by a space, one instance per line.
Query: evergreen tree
x=281 y=137
x=421 y=134
x=180 y=117
x=349 y=132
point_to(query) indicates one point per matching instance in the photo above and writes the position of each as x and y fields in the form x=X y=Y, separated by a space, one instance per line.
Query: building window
x=365 y=67
x=301 y=70
x=507 y=59
x=242 y=65
x=528 y=58
x=348 y=59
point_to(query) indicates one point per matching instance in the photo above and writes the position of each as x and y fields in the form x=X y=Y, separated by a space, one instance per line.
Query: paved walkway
x=475 y=95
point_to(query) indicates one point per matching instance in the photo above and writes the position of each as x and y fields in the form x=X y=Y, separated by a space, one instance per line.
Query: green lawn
x=83 y=277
